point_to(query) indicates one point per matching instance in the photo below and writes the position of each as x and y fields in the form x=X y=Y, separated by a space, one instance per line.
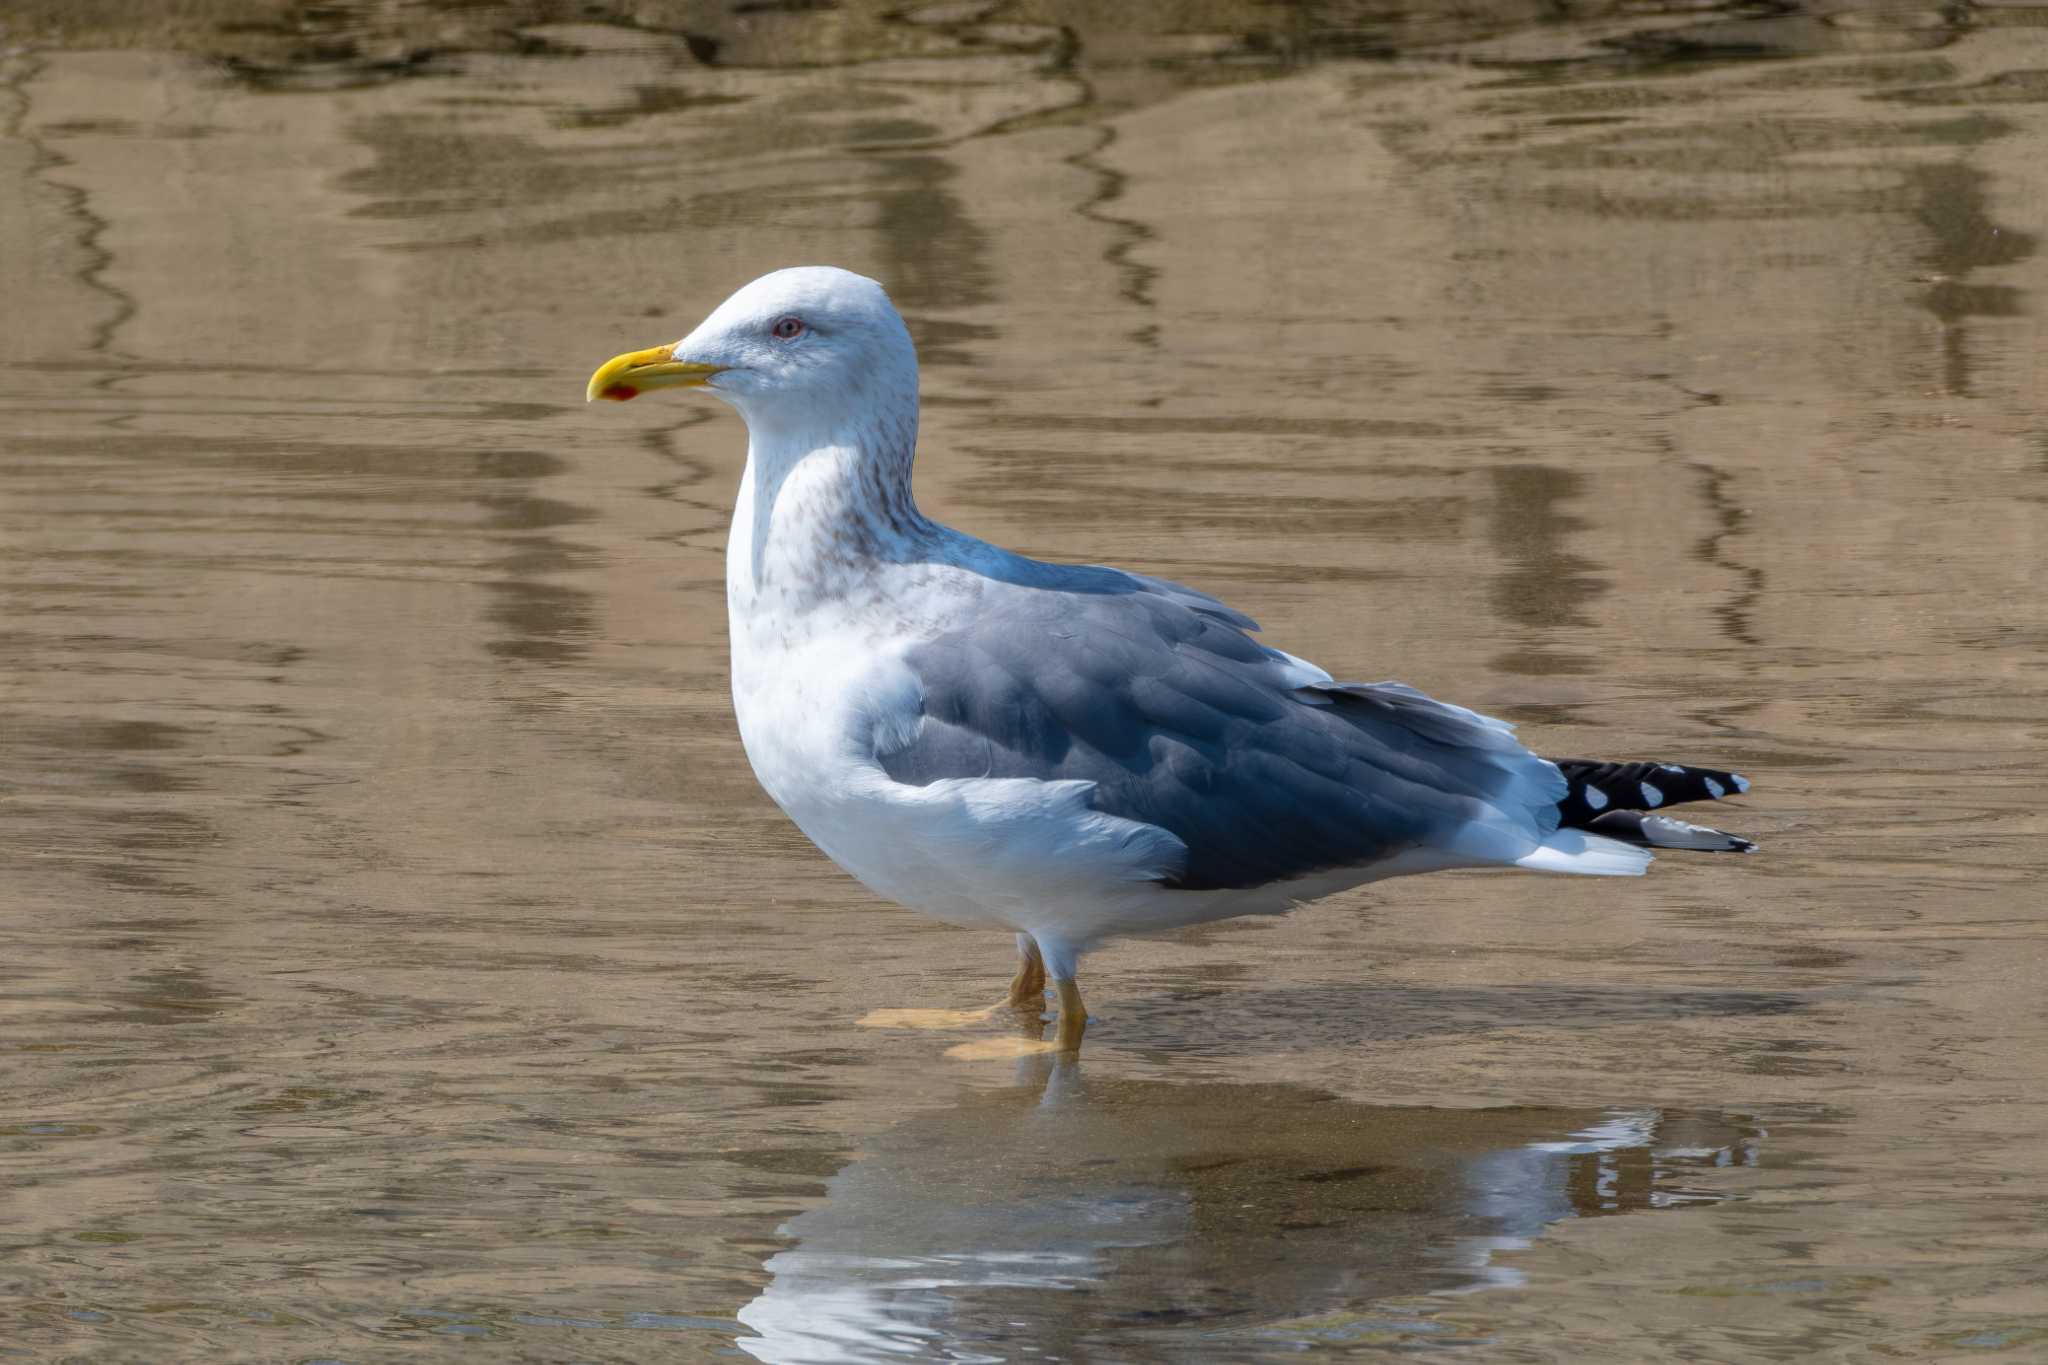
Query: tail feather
x=1590 y=855
x=1608 y=798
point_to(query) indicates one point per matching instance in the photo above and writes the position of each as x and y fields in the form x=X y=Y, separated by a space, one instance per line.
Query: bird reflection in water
x=1198 y=1219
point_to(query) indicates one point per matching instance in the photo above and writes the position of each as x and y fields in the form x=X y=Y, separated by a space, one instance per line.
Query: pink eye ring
x=787 y=328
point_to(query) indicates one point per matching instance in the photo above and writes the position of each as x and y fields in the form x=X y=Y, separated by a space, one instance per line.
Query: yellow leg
x=1073 y=1017
x=1027 y=992
x=1027 y=988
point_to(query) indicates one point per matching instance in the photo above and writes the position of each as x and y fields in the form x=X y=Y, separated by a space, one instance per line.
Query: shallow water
x=395 y=947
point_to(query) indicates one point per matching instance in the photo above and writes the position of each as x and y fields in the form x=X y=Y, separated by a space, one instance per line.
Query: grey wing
x=1157 y=696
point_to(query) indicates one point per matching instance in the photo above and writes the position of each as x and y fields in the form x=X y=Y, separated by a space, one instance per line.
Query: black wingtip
x=1661 y=831
x=1595 y=788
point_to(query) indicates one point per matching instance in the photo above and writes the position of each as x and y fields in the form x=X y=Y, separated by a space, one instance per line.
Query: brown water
x=399 y=960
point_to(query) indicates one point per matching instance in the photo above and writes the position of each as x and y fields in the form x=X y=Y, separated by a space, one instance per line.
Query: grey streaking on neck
x=819 y=521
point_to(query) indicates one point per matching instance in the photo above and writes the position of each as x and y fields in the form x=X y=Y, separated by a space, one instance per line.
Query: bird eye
x=787 y=329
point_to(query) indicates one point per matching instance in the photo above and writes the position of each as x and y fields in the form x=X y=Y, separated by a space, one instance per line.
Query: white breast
x=815 y=683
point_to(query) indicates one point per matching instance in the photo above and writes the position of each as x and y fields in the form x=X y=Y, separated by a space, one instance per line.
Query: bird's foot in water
x=1032 y=1008
x=1066 y=1036
x=1027 y=995
x=1029 y=1040
x=932 y=1019
x=1002 y=1049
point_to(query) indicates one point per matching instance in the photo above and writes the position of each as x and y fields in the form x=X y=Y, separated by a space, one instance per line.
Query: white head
x=809 y=349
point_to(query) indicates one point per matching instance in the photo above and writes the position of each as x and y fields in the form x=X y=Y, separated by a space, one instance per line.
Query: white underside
x=1034 y=858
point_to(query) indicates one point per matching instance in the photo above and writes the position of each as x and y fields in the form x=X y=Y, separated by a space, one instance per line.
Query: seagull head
x=806 y=347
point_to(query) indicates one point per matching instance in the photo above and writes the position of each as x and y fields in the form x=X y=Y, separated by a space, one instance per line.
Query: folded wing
x=1265 y=769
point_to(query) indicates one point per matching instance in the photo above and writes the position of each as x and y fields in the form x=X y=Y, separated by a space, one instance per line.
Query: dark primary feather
x=1613 y=799
x=1155 y=694
x=1598 y=786
x=1661 y=831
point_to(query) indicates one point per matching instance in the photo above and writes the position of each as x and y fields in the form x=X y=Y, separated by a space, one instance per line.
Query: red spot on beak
x=619 y=393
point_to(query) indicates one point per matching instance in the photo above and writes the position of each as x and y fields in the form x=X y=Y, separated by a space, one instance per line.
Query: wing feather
x=1158 y=697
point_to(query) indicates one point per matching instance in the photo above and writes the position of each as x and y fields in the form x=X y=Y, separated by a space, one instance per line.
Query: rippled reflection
x=1068 y=1215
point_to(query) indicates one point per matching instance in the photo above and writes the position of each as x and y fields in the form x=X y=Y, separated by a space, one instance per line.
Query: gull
x=1070 y=753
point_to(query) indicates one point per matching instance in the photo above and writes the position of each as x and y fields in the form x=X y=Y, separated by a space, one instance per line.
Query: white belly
x=1013 y=853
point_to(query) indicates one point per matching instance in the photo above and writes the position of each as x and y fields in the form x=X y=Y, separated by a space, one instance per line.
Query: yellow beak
x=627 y=376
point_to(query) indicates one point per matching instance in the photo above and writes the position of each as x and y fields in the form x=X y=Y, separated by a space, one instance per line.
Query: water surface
x=394 y=946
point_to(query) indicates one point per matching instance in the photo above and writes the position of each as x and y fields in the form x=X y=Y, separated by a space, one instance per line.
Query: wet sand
x=394 y=946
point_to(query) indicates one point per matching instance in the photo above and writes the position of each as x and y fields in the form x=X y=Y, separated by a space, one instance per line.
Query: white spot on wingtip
x=1651 y=795
x=1596 y=798
x=1741 y=782
x=1716 y=789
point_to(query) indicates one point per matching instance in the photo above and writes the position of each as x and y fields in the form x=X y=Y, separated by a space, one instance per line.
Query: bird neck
x=820 y=507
